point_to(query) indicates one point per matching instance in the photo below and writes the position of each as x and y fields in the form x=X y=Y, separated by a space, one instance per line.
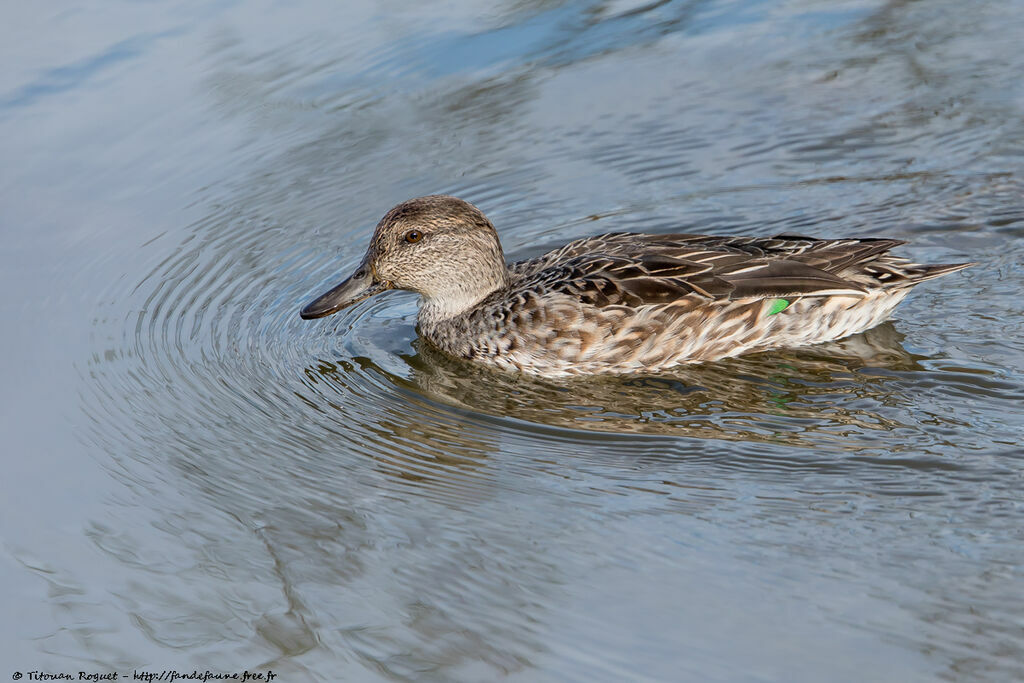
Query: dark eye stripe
x=413 y=236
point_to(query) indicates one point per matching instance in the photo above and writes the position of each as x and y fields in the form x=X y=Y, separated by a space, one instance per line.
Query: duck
x=622 y=302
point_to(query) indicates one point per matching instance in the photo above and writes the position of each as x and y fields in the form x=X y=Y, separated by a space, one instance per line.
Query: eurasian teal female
x=622 y=302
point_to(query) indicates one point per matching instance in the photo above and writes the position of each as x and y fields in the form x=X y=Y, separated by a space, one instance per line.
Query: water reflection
x=736 y=400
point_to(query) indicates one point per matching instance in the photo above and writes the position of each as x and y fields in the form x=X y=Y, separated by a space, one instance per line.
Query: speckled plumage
x=623 y=302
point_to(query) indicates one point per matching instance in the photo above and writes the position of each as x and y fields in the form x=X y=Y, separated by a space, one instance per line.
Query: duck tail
x=898 y=273
x=914 y=273
x=929 y=272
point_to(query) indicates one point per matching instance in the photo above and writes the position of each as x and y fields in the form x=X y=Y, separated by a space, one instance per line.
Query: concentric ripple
x=212 y=352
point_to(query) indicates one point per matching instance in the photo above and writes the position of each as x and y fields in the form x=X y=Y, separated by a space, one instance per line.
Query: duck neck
x=462 y=295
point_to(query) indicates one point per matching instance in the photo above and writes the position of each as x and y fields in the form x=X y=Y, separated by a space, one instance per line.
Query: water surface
x=196 y=478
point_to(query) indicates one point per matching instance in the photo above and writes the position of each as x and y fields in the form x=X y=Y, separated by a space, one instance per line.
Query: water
x=195 y=478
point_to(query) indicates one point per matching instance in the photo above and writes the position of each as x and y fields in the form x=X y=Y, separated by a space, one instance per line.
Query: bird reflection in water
x=801 y=397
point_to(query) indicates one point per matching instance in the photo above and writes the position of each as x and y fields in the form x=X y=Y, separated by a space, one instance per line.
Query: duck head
x=441 y=247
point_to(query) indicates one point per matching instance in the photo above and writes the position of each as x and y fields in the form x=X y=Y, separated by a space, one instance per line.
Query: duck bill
x=361 y=285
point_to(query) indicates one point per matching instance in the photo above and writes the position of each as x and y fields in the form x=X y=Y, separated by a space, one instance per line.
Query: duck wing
x=634 y=270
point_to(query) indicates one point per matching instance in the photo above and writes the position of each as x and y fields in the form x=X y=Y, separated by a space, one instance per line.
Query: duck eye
x=413 y=236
